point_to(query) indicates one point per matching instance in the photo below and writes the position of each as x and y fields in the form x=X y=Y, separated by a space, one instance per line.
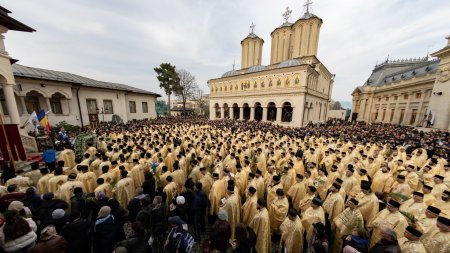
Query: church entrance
x=217 y=111
x=246 y=111
x=236 y=111
x=258 y=112
x=286 y=115
x=226 y=110
x=271 y=111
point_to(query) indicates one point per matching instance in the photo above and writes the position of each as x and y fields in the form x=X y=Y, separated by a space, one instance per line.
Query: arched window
x=258 y=111
x=226 y=111
x=217 y=109
x=287 y=110
x=236 y=111
x=246 y=111
x=271 y=111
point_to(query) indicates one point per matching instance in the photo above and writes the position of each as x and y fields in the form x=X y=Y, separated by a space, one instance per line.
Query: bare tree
x=200 y=100
x=335 y=105
x=186 y=88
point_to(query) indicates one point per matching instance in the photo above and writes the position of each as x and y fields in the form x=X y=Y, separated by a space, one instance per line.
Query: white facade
x=68 y=101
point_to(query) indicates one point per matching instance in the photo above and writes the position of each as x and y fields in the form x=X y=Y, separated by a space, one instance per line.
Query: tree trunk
x=168 y=107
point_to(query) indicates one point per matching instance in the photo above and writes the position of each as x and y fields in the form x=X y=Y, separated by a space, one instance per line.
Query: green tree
x=168 y=79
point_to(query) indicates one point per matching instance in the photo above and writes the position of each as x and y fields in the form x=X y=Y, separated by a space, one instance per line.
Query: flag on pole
x=43 y=120
x=33 y=121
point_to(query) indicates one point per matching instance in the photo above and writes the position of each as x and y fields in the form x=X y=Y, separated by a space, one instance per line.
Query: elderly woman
x=16 y=235
x=50 y=242
x=104 y=231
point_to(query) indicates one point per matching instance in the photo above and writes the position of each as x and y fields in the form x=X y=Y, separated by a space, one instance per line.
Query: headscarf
x=48 y=233
x=104 y=211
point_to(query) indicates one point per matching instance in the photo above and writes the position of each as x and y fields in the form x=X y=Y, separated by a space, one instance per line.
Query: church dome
x=256 y=68
x=290 y=63
x=231 y=73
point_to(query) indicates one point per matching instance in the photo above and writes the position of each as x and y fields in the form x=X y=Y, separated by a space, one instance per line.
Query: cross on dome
x=252 y=27
x=287 y=14
x=307 y=5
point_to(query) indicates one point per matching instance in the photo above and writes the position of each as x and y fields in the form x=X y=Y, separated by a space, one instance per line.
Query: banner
x=15 y=143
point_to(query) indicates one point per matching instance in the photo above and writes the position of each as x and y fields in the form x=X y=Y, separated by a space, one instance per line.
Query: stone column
x=406 y=119
x=252 y=113
x=420 y=115
x=68 y=106
x=49 y=106
x=222 y=112
x=264 y=116
x=241 y=113
x=24 y=106
x=279 y=110
x=231 y=112
x=11 y=103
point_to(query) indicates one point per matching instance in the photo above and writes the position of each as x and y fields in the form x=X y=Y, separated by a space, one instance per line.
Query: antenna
x=234 y=63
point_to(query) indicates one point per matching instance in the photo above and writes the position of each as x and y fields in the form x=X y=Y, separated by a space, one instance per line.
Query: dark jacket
x=55 y=244
x=199 y=203
x=44 y=214
x=76 y=234
x=158 y=221
x=103 y=235
x=33 y=202
x=360 y=244
x=383 y=246
x=134 y=206
x=137 y=243
x=220 y=235
x=247 y=245
x=79 y=203
x=149 y=187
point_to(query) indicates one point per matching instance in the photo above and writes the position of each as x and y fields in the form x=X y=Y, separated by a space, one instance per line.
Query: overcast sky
x=123 y=40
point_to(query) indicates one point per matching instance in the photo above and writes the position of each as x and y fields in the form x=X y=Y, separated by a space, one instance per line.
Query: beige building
x=67 y=97
x=336 y=114
x=407 y=92
x=75 y=99
x=293 y=90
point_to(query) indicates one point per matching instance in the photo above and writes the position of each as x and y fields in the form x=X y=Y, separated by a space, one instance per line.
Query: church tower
x=281 y=40
x=306 y=32
x=251 y=49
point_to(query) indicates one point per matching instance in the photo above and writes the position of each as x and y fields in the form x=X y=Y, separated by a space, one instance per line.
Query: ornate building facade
x=293 y=90
x=413 y=92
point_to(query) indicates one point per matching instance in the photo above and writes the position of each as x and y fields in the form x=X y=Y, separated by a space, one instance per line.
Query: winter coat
x=44 y=214
x=19 y=243
x=220 y=235
x=383 y=246
x=137 y=243
x=54 y=244
x=76 y=234
x=104 y=235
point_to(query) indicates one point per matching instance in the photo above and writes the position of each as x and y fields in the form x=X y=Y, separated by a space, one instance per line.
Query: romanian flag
x=43 y=120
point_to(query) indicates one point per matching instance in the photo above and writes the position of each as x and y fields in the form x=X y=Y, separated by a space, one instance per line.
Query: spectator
x=245 y=240
x=387 y=243
x=49 y=157
x=49 y=204
x=103 y=231
x=357 y=241
x=13 y=194
x=76 y=232
x=138 y=241
x=220 y=232
x=50 y=242
x=16 y=235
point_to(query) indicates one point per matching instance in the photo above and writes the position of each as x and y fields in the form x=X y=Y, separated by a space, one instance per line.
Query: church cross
x=252 y=27
x=307 y=5
x=287 y=14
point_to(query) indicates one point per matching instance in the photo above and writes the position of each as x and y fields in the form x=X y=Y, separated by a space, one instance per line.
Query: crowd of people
x=235 y=186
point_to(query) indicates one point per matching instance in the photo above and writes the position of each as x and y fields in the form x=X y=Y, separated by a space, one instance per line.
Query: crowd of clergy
x=331 y=187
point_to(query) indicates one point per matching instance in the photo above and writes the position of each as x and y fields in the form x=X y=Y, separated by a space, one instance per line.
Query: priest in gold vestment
x=261 y=226
x=291 y=233
x=389 y=217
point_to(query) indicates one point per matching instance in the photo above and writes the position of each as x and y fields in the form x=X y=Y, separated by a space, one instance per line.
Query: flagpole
x=8 y=147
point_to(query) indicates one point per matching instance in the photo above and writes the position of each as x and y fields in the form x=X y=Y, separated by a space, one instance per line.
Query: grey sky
x=123 y=40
